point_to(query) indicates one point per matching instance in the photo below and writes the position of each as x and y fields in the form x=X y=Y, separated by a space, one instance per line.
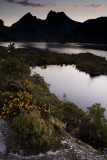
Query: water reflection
x=17 y=44
x=79 y=87
x=70 y=48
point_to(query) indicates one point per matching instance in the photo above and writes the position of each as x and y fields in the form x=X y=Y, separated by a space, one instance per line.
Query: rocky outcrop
x=72 y=148
x=76 y=150
x=3 y=135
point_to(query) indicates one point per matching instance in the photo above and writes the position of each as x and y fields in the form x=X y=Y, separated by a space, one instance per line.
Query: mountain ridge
x=27 y=19
x=56 y=27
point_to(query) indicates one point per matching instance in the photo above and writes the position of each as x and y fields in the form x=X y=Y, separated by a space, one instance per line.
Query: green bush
x=14 y=68
x=95 y=131
x=73 y=114
x=31 y=131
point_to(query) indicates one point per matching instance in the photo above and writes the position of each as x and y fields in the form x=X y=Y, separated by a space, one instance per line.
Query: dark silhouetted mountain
x=1 y=23
x=1 y=29
x=93 y=31
x=56 y=27
x=59 y=24
x=58 y=17
x=4 y=32
x=26 y=20
x=28 y=28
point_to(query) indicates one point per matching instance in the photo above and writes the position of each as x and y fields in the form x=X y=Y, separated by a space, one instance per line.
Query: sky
x=78 y=10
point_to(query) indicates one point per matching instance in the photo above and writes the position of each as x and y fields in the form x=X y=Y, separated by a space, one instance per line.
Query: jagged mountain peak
x=52 y=15
x=27 y=19
x=28 y=15
x=55 y=13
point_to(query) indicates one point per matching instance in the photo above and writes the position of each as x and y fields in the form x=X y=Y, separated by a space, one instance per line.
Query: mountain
x=26 y=20
x=1 y=23
x=4 y=32
x=28 y=28
x=56 y=27
x=93 y=31
x=60 y=24
x=1 y=29
x=58 y=18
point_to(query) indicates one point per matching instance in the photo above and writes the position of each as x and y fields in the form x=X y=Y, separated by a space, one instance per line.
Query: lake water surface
x=79 y=87
x=70 y=48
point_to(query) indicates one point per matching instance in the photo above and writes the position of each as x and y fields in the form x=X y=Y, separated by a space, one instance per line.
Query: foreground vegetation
x=30 y=109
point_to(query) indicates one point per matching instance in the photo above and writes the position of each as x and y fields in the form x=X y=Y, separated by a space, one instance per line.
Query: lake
x=78 y=86
x=70 y=48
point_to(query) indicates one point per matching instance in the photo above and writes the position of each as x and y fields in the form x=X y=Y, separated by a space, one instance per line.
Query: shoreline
x=97 y=46
x=86 y=62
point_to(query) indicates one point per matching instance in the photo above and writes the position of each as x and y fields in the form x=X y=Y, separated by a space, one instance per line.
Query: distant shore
x=87 y=62
x=97 y=46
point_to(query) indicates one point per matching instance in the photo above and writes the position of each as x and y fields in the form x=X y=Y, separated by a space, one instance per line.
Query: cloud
x=11 y=1
x=27 y=3
x=94 y=6
x=76 y=6
x=90 y=6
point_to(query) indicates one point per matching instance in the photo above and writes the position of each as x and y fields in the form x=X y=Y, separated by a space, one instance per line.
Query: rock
x=77 y=150
x=61 y=127
x=72 y=129
x=72 y=148
x=12 y=156
x=3 y=135
x=83 y=151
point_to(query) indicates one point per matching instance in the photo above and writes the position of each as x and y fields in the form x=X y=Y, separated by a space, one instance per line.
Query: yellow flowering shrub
x=46 y=110
x=12 y=103
x=28 y=85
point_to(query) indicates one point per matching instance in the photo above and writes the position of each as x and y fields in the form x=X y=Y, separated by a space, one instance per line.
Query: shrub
x=31 y=131
x=14 y=68
x=95 y=131
x=12 y=103
x=75 y=118
x=11 y=49
x=46 y=110
x=72 y=113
